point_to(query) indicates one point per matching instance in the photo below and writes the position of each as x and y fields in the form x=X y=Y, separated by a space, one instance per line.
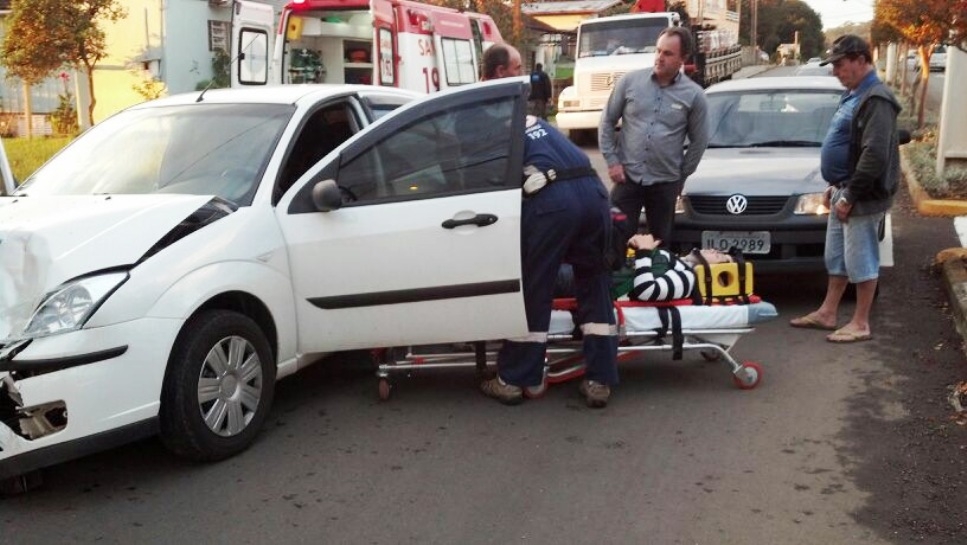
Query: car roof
x=275 y=94
x=777 y=83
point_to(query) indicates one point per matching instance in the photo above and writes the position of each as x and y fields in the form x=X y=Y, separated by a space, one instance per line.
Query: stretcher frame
x=563 y=360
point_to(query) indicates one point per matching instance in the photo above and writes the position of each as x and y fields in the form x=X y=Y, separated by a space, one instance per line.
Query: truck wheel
x=218 y=387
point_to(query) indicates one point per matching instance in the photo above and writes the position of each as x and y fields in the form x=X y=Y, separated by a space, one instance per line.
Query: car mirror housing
x=326 y=196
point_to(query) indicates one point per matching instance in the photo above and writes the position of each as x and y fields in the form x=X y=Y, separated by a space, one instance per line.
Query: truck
x=609 y=47
x=395 y=43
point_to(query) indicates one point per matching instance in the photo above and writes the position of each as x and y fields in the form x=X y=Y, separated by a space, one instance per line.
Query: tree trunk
x=28 y=112
x=924 y=81
x=90 y=93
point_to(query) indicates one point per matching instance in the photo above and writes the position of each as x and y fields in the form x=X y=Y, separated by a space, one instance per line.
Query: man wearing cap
x=861 y=162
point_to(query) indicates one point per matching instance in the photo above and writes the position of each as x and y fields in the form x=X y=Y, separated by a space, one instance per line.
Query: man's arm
x=609 y=120
x=697 y=135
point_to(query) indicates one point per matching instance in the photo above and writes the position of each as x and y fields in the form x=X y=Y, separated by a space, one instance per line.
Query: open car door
x=425 y=247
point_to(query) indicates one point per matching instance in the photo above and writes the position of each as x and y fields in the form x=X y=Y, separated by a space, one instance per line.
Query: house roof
x=567 y=7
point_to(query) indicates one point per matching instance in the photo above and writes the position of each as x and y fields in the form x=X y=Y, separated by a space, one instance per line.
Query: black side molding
x=57 y=364
x=416 y=295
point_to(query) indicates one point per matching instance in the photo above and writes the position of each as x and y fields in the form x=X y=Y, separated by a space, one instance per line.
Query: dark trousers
x=566 y=222
x=539 y=108
x=658 y=200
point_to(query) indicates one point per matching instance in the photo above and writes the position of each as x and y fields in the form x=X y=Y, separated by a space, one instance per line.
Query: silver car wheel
x=230 y=386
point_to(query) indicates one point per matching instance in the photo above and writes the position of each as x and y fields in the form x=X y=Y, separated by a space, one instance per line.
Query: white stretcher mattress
x=642 y=318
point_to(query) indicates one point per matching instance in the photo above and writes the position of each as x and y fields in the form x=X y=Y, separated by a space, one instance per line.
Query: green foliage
x=778 y=22
x=36 y=40
x=27 y=154
x=150 y=88
x=64 y=117
x=922 y=158
x=45 y=35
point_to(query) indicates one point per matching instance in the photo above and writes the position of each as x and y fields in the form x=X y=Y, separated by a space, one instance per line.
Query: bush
x=27 y=154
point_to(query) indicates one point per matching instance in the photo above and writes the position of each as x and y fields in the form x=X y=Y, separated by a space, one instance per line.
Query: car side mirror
x=326 y=196
x=904 y=136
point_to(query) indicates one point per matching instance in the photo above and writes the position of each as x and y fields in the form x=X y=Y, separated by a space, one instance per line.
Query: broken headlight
x=69 y=307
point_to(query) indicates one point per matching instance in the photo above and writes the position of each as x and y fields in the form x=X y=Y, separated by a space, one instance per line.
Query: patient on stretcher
x=651 y=273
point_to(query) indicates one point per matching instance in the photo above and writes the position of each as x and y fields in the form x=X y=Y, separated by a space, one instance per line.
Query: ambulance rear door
x=453 y=44
x=253 y=32
x=386 y=46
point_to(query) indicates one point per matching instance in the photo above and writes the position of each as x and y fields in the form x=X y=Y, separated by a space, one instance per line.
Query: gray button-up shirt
x=655 y=122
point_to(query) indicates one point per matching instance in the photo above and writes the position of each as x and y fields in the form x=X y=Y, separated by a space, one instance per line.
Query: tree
x=45 y=35
x=30 y=50
x=922 y=23
x=778 y=21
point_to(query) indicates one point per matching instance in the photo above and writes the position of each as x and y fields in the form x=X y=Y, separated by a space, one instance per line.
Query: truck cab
x=607 y=49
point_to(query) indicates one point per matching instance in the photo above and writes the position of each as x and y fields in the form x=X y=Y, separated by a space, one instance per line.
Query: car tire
x=227 y=354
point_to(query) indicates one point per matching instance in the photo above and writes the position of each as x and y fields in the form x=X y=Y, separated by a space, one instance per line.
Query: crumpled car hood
x=757 y=171
x=45 y=241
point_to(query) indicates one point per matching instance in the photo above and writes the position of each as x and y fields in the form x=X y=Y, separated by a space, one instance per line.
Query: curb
x=953 y=262
x=924 y=204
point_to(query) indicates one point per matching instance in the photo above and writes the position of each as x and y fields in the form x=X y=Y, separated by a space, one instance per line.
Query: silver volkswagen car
x=758 y=187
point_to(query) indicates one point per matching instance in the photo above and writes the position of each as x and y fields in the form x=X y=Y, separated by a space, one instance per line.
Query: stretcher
x=672 y=326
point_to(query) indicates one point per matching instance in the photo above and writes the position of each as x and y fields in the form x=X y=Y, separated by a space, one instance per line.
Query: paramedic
x=659 y=108
x=565 y=217
x=860 y=161
x=540 y=91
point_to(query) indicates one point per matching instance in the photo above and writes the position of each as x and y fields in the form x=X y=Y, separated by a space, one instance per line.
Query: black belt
x=571 y=173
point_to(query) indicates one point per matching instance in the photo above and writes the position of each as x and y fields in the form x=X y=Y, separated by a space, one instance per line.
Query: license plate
x=750 y=242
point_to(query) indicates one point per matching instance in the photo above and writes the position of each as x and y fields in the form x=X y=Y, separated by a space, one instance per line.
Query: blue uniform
x=568 y=221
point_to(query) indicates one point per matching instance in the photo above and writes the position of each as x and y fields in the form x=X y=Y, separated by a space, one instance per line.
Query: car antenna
x=211 y=82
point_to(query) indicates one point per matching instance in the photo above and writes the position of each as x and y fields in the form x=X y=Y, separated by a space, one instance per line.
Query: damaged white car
x=165 y=269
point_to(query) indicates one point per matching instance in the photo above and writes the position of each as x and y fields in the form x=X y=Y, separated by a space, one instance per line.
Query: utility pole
x=753 y=27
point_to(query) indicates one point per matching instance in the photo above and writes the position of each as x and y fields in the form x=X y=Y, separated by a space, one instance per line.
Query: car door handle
x=480 y=220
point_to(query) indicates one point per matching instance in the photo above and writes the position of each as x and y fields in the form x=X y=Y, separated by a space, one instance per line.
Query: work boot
x=595 y=394
x=508 y=394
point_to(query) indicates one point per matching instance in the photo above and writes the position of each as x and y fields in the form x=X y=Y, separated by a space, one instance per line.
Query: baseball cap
x=848 y=44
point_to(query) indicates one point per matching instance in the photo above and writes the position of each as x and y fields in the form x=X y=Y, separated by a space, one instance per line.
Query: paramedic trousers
x=568 y=221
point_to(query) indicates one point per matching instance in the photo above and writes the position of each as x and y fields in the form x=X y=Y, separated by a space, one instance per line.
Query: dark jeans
x=658 y=200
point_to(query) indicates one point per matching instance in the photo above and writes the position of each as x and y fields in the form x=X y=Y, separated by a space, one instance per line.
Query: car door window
x=323 y=131
x=457 y=150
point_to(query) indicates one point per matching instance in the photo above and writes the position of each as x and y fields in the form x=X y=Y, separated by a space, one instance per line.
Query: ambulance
x=394 y=43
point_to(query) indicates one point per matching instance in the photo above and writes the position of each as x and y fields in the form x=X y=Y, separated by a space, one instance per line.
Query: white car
x=160 y=273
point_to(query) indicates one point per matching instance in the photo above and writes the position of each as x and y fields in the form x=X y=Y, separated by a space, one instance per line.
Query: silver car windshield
x=198 y=149
x=787 y=118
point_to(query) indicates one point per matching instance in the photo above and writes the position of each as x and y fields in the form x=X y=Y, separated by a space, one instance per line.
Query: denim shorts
x=853 y=248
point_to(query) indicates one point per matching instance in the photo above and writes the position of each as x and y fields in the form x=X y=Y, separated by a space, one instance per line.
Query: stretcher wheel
x=384 y=388
x=748 y=375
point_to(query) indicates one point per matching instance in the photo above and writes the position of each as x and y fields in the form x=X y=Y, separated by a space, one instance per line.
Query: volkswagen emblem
x=736 y=204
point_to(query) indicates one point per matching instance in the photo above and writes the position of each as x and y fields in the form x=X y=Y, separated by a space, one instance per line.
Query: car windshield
x=786 y=118
x=199 y=149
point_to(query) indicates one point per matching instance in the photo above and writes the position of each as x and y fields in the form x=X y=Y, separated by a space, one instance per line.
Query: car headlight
x=69 y=307
x=811 y=203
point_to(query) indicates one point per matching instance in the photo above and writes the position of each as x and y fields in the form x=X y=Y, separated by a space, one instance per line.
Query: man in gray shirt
x=658 y=108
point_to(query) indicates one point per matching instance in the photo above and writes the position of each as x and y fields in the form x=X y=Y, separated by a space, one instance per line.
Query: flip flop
x=847 y=336
x=810 y=321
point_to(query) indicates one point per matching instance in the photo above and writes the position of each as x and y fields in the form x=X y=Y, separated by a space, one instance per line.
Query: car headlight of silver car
x=70 y=306
x=811 y=203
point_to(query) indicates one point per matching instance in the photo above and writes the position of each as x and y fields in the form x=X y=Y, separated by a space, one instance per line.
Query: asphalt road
x=680 y=456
